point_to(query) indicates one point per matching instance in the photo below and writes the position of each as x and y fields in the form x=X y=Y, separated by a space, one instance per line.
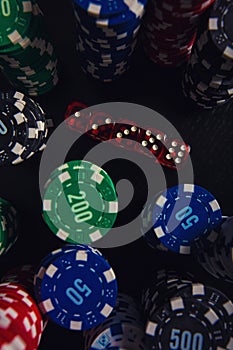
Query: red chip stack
x=169 y=29
x=21 y=323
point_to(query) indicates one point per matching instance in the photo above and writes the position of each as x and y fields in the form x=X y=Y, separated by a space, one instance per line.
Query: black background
x=210 y=134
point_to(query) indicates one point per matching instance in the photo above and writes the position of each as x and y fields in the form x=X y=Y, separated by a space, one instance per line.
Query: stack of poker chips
x=188 y=314
x=215 y=254
x=107 y=34
x=169 y=29
x=80 y=204
x=123 y=329
x=8 y=227
x=75 y=287
x=179 y=217
x=21 y=324
x=27 y=56
x=208 y=79
x=23 y=128
x=22 y=275
x=149 y=142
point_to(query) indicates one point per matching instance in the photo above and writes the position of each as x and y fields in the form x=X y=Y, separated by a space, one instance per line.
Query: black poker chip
x=208 y=77
x=23 y=128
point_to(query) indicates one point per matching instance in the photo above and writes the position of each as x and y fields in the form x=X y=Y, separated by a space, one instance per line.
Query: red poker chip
x=170 y=28
x=29 y=321
x=14 y=317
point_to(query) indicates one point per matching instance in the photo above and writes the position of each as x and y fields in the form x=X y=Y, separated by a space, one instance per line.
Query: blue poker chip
x=78 y=289
x=183 y=214
x=98 y=8
x=48 y=259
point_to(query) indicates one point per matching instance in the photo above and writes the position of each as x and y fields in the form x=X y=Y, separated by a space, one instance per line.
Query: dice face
x=100 y=126
x=149 y=142
x=75 y=118
x=125 y=136
x=176 y=153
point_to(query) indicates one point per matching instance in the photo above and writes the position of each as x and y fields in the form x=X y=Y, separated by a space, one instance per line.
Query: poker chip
x=77 y=289
x=80 y=203
x=23 y=128
x=179 y=217
x=107 y=34
x=20 y=320
x=9 y=226
x=123 y=329
x=208 y=78
x=125 y=134
x=27 y=56
x=169 y=30
x=215 y=253
x=20 y=275
x=198 y=315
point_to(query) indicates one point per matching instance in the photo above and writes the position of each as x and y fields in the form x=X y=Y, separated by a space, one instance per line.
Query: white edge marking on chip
x=15 y=37
x=81 y=255
x=95 y=168
x=51 y=270
x=97 y=178
x=113 y=207
x=151 y=328
x=20 y=106
x=18 y=149
x=228 y=306
x=26 y=324
x=214 y=205
x=63 y=166
x=161 y=201
x=95 y=235
x=230 y=344
x=102 y=22
x=159 y=232
x=47 y=205
x=64 y=177
x=16 y=343
x=94 y=9
x=109 y=275
x=47 y=305
x=198 y=289
x=177 y=303
x=62 y=234
x=212 y=316
x=228 y=52
x=27 y=6
x=19 y=117
x=189 y=188
x=75 y=325
x=213 y=23
x=107 y=309
x=185 y=250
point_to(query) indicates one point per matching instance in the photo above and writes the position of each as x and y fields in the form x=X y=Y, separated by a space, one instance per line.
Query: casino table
x=209 y=133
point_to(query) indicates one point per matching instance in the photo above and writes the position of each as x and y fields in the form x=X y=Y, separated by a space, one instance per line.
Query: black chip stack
x=208 y=79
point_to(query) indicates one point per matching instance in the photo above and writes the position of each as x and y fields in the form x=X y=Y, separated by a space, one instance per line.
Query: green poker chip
x=27 y=57
x=80 y=203
x=15 y=18
x=8 y=226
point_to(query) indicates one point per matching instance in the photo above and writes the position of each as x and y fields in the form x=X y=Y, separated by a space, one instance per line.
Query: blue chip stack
x=106 y=35
x=75 y=287
x=178 y=218
x=123 y=329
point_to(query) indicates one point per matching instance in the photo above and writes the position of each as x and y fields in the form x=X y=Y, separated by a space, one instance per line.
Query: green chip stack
x=27 y=56
x=9 y=226
x=80 y=204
